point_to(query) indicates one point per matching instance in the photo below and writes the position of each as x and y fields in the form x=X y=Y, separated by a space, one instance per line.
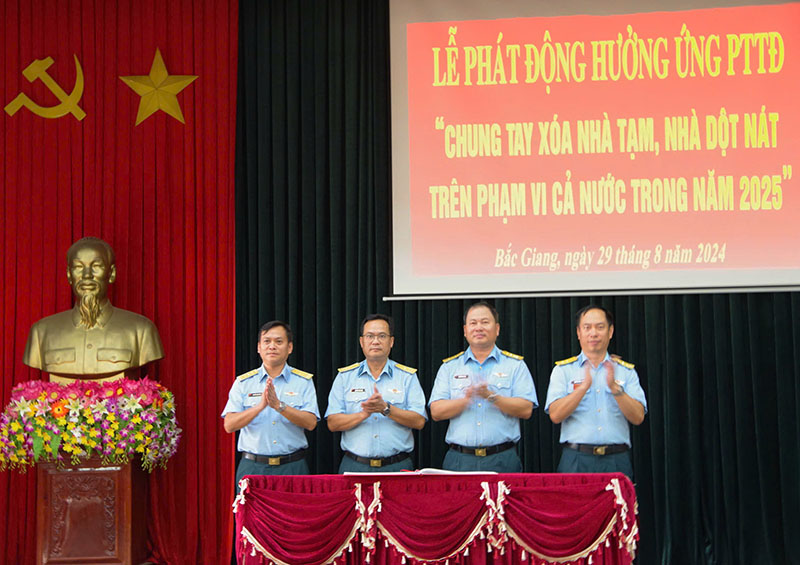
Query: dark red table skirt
x=455 y=519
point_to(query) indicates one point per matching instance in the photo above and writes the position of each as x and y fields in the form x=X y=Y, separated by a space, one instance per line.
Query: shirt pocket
x=396 y=396
x=110 y=355
x=500 y=384
x=252 y=399
x=59 y=356
x=458 y=384
x=355 y=396
x=291 y=398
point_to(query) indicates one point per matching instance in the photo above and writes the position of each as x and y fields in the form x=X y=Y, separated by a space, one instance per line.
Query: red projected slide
x=645 y=151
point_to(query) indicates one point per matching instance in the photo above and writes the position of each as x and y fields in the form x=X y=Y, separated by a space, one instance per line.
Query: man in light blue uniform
x=376 y=404
x=594 y=396
x=484 y=392
x=271 y=407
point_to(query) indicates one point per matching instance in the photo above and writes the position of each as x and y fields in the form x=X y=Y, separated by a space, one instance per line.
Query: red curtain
x=442 y=519
x=161 y=193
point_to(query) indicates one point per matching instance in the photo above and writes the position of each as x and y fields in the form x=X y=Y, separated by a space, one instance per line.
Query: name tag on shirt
x=358 y=390
x=254 y=394
x=460 y=376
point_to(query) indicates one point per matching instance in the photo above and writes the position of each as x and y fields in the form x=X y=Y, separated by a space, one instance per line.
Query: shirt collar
x=363 y=369
x=285 y=373
x=583 y=359
x=493 y=354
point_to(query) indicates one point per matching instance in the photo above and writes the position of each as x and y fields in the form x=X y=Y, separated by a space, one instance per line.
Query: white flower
x=131 y=404
x=23 y=407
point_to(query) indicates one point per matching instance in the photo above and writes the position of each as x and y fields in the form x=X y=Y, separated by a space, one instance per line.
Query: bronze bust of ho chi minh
x=93 y=340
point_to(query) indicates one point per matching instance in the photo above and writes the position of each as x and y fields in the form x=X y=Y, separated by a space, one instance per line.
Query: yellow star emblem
x=158 y=90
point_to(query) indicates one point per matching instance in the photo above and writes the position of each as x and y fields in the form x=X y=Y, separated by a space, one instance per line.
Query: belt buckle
x=480 y=452
x=599 y=450
x=374 y=462
x=274 y=461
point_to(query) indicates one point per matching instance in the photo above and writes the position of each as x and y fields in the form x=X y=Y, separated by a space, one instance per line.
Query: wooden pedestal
x=91 y=513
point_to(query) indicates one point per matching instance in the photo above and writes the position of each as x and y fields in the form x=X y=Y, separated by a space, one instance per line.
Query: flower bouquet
x=112 y=420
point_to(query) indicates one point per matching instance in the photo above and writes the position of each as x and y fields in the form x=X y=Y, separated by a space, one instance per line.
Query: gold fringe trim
x=405 y=551
x=574 y=557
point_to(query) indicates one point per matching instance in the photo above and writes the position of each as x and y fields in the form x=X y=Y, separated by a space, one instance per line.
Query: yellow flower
x=148 y=427
x=47 y=448
x=39 y=420
x=115 y=426
x=94 y=432
x=42 y=395
x=21 y=438
x=13 y=457
x=71 y=426
x=15 y=427
x=90 y=419
x=46 y=437
x=140 y=448
x=61 y=422
x=111 y=417
x=118 y=451
x=139 y=436
x=21 y=452
x=92 y=443
x=110 y=433
x=136 y=419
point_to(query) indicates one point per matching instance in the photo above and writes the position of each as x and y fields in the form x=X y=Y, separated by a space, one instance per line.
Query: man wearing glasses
x=375 y=404
x=484 y=392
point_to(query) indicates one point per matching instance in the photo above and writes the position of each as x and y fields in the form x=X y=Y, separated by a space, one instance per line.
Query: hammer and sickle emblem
x=69 y=102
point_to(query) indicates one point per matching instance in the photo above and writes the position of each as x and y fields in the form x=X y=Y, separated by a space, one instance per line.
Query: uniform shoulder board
x=512 y=355
x=303 y=374
x=567 y=361
x=624 y=363
x=349 y=367
x=404 y=368
x=457 y=355
x=247 y=375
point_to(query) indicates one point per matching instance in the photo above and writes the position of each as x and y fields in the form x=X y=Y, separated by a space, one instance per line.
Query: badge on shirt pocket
x=394 y=395
x=356 y=394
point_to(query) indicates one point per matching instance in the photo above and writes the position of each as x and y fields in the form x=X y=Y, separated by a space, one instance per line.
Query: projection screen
x=551 y=148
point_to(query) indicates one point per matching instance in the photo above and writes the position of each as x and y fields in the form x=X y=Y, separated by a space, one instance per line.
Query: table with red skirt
x=444 y=519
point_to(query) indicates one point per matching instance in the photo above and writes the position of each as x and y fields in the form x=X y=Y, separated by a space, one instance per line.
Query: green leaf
x=55 y=443
x=38 y=446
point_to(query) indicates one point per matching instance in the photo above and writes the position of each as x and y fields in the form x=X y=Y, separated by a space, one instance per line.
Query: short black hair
x=483 y=304
x=579 y=314
x=274 y=324
x=372 y=317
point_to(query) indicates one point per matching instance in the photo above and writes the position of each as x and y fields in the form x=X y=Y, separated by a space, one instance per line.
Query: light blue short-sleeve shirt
x=597 y=420
x=378 y=436
x=482 y=423
x=270 y=433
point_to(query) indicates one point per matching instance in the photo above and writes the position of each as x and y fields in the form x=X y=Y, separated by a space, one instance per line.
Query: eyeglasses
x=379 y=337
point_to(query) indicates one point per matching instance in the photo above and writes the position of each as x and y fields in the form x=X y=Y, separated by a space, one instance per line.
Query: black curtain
x=716 y=461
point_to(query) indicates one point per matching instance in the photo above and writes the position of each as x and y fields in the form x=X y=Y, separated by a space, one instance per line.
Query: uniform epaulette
x=349 y=367
x=404 y=368
x=247 y=375
x=623 y=363
x=512 y=355
x=567 y=361
x=303 y=374
x=453 y=357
